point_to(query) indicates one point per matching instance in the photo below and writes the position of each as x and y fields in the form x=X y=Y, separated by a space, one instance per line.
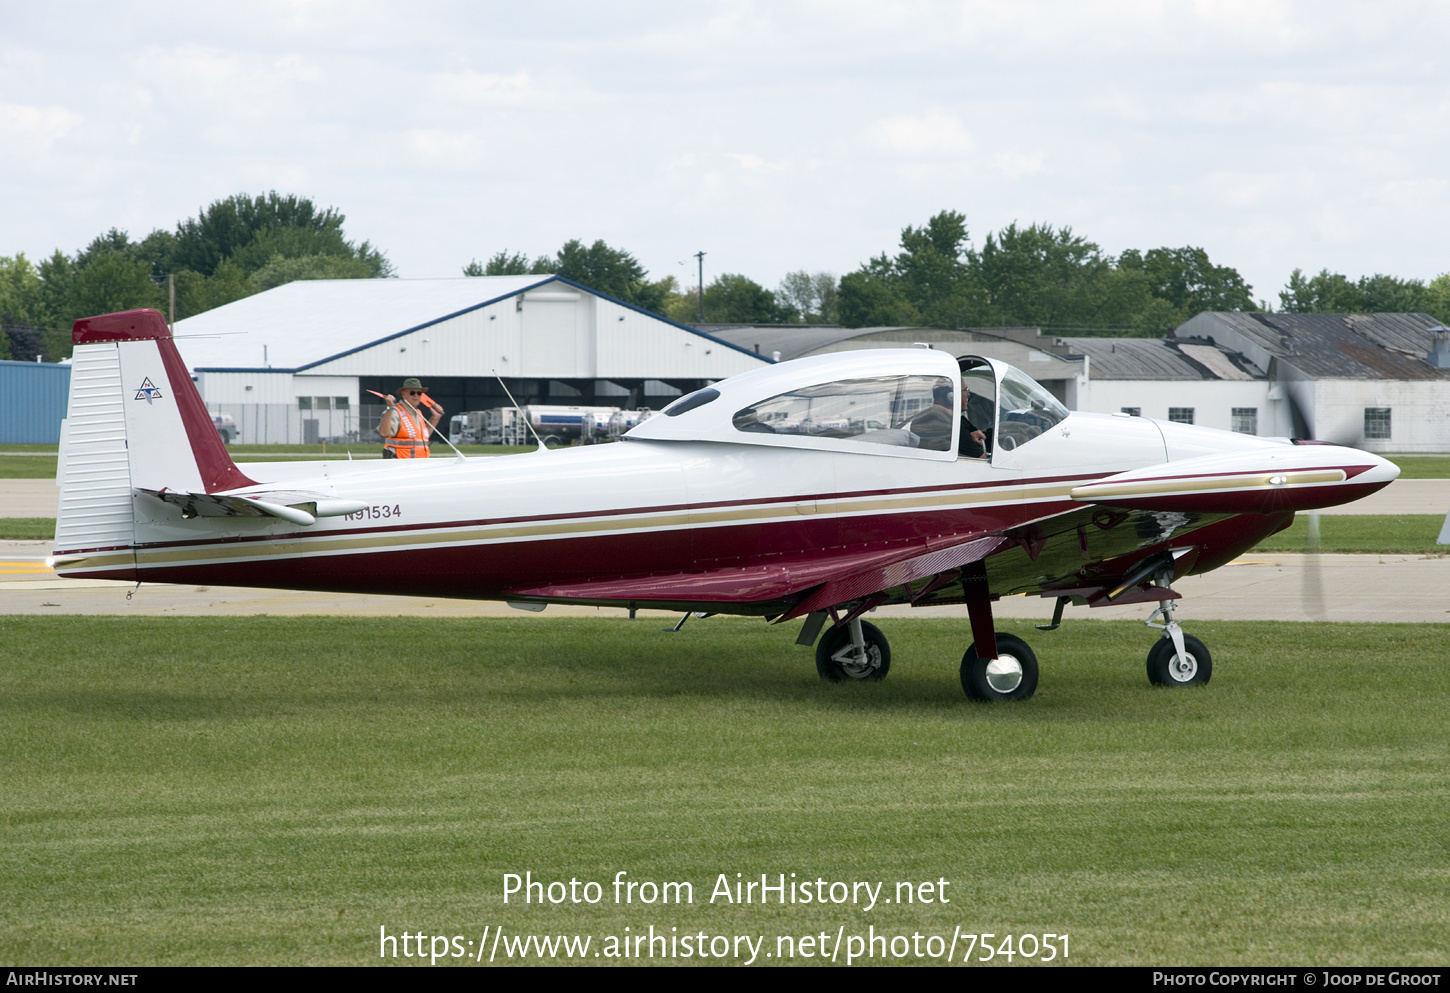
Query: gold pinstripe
x=1156 y=487
x=301 y=545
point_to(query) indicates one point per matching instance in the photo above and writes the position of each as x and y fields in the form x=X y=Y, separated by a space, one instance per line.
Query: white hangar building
x=295 y=363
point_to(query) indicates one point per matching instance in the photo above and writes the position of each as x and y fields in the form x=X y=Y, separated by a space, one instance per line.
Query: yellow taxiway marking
x=25 y=567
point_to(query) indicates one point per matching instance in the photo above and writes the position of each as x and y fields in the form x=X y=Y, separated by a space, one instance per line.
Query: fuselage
x=491 y=527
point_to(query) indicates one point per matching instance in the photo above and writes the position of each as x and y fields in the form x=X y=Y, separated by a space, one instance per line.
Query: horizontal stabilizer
x=296 y=506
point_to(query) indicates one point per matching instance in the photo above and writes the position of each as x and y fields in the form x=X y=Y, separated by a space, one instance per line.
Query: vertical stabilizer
x=135 y=421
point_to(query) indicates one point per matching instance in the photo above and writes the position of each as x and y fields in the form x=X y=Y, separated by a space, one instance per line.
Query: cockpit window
x=906 y=411
x=1025 y=410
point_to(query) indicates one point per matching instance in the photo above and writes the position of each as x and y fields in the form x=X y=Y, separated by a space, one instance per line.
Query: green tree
x=932 y=280
x=252 y=230
x=282 y=270
x=196 y=294
x=505 y=263
x=110 y=280
x=20 y=288
x=870 y=299
x=608 y=270
x=814 y=297
x=1333 y=293
x=1054 y=278
x=1437 y=297
x=1189 y=281
x=736 y=299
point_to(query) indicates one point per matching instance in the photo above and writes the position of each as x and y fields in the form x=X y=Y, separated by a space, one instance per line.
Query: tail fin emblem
x=148 y=392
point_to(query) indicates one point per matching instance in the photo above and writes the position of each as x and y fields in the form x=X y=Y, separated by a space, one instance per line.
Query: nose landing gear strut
x=1176 y=659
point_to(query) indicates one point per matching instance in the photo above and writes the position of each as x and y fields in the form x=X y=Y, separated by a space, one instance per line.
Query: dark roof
x=1158 y=359
x=791 y=340
x=1342 y=346
x=794 y=340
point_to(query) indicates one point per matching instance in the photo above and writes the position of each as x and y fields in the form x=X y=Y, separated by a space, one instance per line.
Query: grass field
x=1384 y=534
x=27 y=528
x=1422 y=466
x=265 y=790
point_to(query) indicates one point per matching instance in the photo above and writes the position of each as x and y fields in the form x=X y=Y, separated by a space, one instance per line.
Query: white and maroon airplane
x=818 y=488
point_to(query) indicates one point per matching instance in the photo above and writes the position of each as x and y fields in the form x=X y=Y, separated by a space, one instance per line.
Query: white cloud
x=29 y=132
x=932 y=135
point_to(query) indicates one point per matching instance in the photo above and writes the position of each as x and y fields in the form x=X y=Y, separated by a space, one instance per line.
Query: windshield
x=1026 y=410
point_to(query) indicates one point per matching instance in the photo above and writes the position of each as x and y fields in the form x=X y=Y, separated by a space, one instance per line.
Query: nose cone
x=1381 y=471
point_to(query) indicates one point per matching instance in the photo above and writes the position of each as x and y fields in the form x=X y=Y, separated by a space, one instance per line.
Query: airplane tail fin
x=135 y=421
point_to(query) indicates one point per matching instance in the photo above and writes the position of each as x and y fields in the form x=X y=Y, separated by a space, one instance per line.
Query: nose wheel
x=1176 y=659
x=1167 y=668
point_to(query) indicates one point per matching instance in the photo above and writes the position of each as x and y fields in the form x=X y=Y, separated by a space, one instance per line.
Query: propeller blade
x=1313 y=577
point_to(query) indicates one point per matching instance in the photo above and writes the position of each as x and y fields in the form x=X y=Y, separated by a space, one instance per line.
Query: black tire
x=878 y=655
x=553 y=441
x=1164 y=671
x=1012 y=677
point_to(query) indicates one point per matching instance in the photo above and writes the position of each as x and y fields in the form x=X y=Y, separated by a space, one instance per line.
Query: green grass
x=27 y=466
x=266 y=790
x=27 y=528
x=1384 y=534
x=1422 y=466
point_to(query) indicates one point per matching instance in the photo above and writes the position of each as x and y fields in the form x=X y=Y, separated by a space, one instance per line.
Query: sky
x=774 y=136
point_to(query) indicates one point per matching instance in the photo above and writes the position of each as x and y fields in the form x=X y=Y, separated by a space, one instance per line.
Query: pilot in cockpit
x=975 y=409
x=934 y=425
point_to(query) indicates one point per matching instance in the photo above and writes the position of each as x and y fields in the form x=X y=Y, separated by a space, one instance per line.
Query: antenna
x=701 y=257
x=527 y=423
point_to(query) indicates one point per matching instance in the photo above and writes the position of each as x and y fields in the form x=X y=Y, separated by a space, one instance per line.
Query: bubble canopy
x=899 y=402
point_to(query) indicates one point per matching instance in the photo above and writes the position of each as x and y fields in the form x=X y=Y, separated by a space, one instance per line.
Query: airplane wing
x=1102 y=541
x=839 y=577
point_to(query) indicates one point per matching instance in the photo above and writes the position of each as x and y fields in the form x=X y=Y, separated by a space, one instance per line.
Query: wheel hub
x=1182 y=670
x=858 y=666
x=1004 y=674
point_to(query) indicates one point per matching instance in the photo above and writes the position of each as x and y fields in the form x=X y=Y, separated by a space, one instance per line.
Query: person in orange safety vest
x=403 y=427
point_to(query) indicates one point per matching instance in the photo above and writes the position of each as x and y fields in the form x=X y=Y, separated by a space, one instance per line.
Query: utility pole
x=701 y=257
x=171 y=292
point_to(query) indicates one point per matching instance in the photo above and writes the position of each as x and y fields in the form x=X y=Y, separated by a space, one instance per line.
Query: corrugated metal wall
x=32 y=402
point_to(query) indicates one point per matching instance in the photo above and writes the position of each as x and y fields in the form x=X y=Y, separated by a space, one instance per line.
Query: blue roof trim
x=466 y=310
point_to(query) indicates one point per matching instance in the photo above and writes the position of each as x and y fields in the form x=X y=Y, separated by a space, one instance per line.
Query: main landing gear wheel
x=1164 y=668
x=1012 y=675
x=838 y=660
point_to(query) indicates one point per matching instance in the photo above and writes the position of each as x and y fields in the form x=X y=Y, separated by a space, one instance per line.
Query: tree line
x=231 y=249
x=1036 y=275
